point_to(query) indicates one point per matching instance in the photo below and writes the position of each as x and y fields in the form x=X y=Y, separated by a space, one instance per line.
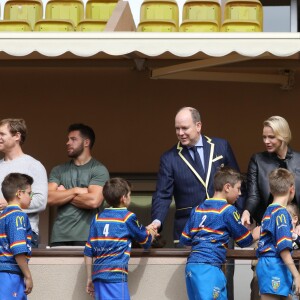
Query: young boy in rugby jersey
x=109 y=243
x=275 y=268
x=207 y=231
x=15 y=238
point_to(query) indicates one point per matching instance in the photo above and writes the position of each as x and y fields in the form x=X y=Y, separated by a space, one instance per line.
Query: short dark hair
x=226 y=175
x=15 y=126
x=14 y=182
x=114 y=189
x=85 y=131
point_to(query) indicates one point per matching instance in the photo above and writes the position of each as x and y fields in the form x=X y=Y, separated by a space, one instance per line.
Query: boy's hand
x=153 y=231
x=90 y=288
x=28 y=285
x=297 y=284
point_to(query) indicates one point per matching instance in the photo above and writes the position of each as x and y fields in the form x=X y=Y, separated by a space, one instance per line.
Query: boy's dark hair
x=14 y=182
x=280 y=181
x=114 y=189
x=15 y=126
x=85 y=132
x=226 y=175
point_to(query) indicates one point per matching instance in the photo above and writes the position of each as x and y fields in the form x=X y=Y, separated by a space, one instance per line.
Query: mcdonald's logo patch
x=20 y=222
x=281 y=219
x=236 y=215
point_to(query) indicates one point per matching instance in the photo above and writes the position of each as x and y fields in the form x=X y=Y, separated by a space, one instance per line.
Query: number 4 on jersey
x=106 y=229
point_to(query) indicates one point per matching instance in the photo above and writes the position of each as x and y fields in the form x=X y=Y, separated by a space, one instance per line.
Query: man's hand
x=81 y=190
x=61 y=188
x=155 y=224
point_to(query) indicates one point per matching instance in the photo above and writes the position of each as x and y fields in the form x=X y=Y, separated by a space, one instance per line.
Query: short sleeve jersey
x=276 y=231
x=72 y=223
x=15 y=238
x=209 y=228
x=109 y=243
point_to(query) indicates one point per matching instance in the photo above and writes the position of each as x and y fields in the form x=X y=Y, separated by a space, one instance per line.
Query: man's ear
x=18 y=136
x=87 y=142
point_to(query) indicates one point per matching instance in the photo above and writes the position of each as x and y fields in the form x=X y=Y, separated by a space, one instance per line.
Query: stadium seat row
x=155 y=15
x=60 y=15
x=201 y=16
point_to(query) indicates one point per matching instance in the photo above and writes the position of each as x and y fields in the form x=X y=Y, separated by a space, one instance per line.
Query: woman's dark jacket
x=260 y=165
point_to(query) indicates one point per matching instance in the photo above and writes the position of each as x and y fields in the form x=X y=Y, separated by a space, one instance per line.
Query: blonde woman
x=278 y=154
x=276 y=137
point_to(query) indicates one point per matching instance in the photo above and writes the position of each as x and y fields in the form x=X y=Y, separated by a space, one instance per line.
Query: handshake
x=153 y=228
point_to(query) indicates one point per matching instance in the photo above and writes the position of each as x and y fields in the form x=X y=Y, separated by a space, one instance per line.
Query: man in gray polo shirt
x=75 y=187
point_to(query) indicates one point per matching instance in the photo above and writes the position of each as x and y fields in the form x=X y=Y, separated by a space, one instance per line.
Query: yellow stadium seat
x=166 y=10
x=201 y=16
x=157 y=26
x=244 y=10
x=28 y=10
x=100 y=9
x=240 y=26
x=202 y=10
x=54 y=25
x=91 y=25
x=199 y=26
x=65 y=10
x=8 y=25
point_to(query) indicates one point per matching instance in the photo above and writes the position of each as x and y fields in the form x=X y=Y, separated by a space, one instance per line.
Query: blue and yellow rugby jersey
x=276 y=231
x=208 y=230
x=15 y=238
x=109 y=243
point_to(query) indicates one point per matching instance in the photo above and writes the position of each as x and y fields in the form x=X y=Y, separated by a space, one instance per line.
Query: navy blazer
x=176 y=178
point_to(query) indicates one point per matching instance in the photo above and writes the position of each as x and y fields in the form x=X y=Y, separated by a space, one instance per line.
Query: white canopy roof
x=170 y=45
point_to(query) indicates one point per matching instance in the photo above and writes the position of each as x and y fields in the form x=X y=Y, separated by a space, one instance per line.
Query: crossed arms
x=85 y=198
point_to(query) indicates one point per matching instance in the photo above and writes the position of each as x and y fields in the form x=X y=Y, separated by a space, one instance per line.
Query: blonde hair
x=15 y=126
x=280 y=128
x=293 y=210
x=280 y=180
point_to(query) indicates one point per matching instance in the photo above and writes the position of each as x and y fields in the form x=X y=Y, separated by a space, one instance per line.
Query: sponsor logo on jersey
x=20 y=223
x=236 y=215
x=280 y=219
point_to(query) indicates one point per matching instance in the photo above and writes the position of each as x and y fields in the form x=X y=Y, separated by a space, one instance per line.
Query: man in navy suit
x=180 y=176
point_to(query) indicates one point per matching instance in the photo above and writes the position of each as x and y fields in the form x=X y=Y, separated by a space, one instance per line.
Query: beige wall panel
x=64 y=278
x=133 y=116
